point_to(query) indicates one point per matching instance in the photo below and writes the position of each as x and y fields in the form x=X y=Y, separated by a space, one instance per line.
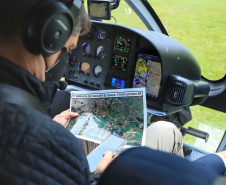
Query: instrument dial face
x=86 y=49
x=84 y=68
x=97 y=71
x=100 y=53
x=101 y=34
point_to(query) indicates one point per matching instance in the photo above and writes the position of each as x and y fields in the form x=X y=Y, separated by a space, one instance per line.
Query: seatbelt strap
x=14 y=95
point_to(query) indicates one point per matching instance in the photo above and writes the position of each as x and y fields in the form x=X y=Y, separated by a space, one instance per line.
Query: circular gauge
x=101 y=35
x=86 y=49
x=97 y=71
x=100 y=52
x=84 y=68
x=72 y=61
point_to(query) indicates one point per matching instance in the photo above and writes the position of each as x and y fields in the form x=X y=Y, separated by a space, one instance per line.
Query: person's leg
x=164 y=136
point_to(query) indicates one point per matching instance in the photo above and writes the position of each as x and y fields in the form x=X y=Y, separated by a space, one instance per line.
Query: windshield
x=200 y=26
x=124 y=15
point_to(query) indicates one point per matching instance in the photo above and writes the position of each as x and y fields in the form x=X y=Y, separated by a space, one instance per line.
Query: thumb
x=108 y=155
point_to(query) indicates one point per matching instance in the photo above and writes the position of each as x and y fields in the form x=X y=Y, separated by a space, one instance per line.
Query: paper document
x=122 y=112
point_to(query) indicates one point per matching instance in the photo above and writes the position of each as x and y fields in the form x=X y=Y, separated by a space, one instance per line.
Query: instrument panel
x=113 y=56
x=116 y=56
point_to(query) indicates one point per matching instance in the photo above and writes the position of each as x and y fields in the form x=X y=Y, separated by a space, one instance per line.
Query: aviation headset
x=49 y=26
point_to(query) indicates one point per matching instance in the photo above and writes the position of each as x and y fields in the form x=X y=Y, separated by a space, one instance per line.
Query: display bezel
x=107 y=4
x=153 y=53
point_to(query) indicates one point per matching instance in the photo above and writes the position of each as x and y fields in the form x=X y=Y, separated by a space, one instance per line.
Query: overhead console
x=114 y=56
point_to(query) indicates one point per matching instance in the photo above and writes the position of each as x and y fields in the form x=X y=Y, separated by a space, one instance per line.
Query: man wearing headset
x=33 y=148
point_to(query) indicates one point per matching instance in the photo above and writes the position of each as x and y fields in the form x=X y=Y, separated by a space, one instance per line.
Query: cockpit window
x=124 y=15
x=210 y=121
x=200 y=26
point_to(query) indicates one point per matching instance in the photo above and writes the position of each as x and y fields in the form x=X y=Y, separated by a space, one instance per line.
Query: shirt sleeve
x=212 y=162
x=224 y=160
x=94 y=180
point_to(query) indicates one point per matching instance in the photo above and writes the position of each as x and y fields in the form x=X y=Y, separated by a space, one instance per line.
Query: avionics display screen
x=118 y=83
x=119 y=62
x=148 y=74
x=99 y=10
x=121 y=44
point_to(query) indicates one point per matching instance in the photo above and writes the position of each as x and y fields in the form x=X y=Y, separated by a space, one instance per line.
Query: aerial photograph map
x=109 y=112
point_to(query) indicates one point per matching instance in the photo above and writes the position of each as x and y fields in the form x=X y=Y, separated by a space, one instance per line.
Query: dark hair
x=13 y=14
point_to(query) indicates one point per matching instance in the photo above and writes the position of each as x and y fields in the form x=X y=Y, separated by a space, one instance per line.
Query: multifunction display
x=148 y=74
x=99 y=10
x=119 y=62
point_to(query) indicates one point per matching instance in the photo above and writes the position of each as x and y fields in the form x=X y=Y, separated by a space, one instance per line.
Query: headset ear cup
x=48 y=28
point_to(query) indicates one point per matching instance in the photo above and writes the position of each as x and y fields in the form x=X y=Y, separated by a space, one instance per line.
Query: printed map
x=99 y=117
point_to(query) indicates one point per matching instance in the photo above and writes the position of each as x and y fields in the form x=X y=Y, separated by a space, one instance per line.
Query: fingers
x=64 y=116
x=69 y=114
x=108 y=155
x=73 y=114
x=104 y=162
x=116 y=155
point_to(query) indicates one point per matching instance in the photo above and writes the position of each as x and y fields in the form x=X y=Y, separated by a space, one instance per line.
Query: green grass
x=200 y=26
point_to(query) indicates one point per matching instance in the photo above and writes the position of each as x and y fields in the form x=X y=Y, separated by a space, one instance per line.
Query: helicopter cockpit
x=114 y=56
